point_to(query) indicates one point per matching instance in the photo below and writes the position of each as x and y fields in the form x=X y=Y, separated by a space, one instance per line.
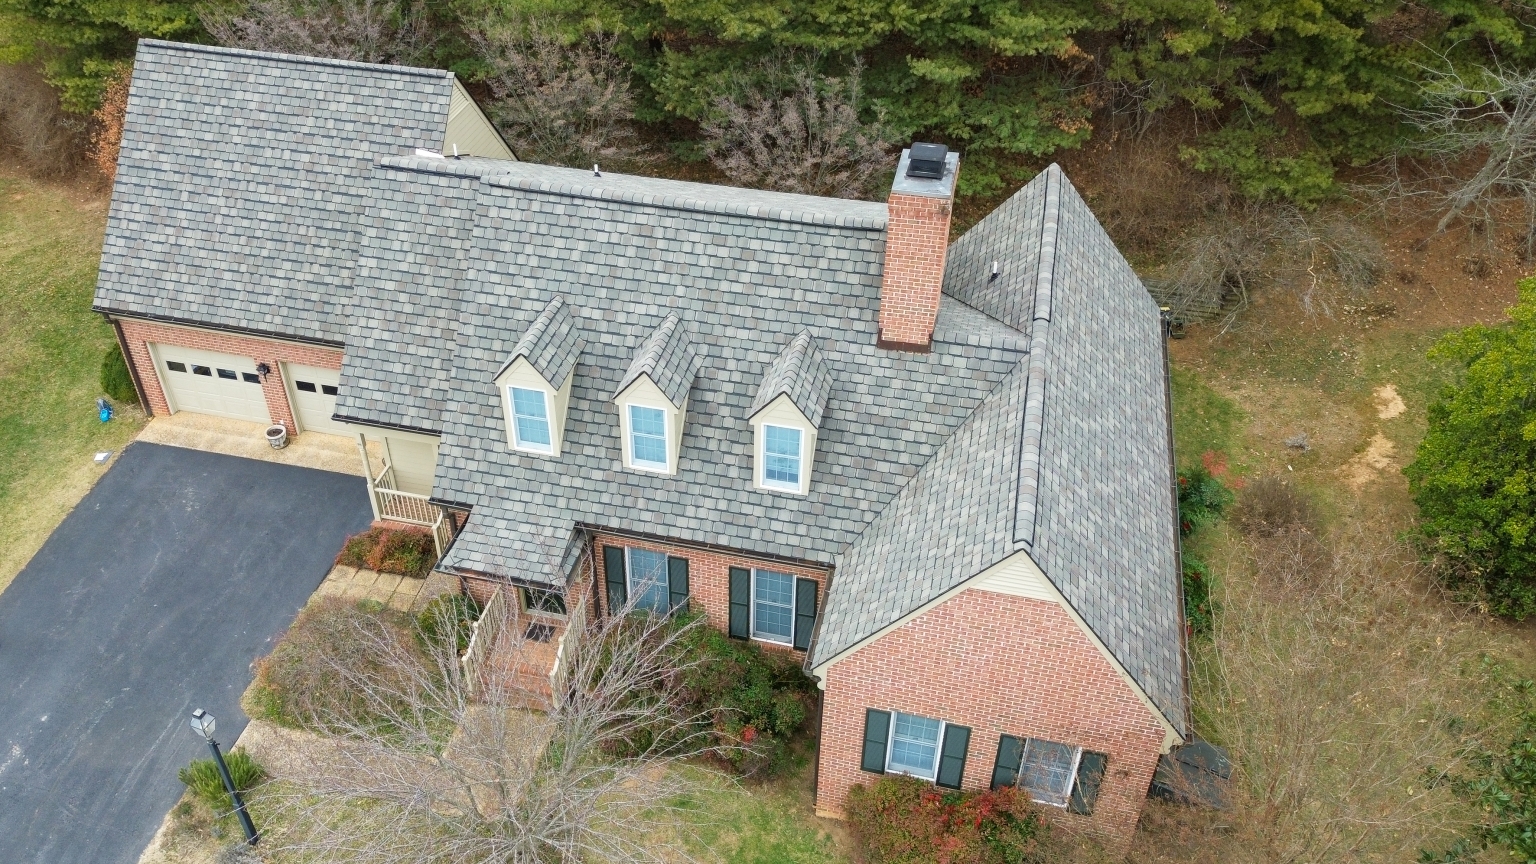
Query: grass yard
x=51 y=347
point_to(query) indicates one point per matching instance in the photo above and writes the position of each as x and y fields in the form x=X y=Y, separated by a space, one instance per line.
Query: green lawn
x=51 y=346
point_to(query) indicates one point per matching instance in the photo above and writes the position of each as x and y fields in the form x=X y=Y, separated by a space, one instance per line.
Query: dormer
x=535 y=381
x=786 y=416
x=652 y=398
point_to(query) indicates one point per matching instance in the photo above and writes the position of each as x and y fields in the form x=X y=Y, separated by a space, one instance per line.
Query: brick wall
x=138 y=334
x=708 y=578
x=1001 y=665
x=916 y=240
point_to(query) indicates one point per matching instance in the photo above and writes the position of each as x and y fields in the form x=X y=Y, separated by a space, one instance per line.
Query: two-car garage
x=227 y=385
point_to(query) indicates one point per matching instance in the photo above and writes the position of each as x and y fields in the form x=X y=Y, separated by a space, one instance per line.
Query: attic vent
x=927 y=161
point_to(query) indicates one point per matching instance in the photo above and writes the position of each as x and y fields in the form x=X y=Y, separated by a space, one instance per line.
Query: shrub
x=903 y=820
x=1272 y=505
x=406 y=551
x=115 y=380
x=1472 y=476
x=1202 y=498
x=756 y=699
x=1199 y=608
x=202 y=777
x=299 y=684
x=447 y=616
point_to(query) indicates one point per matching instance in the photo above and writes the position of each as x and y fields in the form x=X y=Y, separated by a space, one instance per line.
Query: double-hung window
x=647 y=572
x=530 y=420
x=773 y=606
x=782 y=456
x=914 y=745
x=648 y=437
x=1047 y=770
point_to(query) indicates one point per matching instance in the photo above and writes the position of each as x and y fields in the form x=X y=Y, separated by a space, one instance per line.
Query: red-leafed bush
x=903 y=820
x=407 y=551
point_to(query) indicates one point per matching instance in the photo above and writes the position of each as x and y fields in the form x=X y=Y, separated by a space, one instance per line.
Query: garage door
x=314 y=398
x=207 y=382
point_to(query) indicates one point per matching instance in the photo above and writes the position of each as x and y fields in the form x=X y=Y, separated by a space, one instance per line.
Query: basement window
x=543 y=602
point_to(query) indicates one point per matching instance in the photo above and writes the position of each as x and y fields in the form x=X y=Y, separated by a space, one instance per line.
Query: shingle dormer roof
x=668 y=359
x=800 y=373
x=551 y=345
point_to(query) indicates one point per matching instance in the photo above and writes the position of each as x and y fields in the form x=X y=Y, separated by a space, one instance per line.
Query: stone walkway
x=401 y=593
x=240 y=438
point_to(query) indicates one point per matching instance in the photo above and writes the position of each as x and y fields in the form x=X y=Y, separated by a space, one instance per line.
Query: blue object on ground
x=103 y=408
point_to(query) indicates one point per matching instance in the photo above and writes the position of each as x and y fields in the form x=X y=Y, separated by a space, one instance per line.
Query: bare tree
x=559 y=102
x=429 y=764
x=808 y=140
x=1487 y=116
x=368 y=31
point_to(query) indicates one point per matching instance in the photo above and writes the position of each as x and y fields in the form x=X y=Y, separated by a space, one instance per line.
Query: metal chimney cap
x=926 y=161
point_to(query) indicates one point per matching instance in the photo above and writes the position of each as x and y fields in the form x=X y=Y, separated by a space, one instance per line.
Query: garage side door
x=207 y=382
x=314 y=398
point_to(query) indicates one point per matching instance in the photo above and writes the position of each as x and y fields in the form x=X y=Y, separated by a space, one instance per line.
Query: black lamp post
x=202 y=721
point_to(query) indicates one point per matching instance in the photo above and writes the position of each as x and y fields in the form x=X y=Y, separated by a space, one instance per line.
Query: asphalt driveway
x=151 y=599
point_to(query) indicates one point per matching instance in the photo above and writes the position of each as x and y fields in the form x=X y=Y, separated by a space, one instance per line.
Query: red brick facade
x=708 y=577
x=999 y=664
x=916 y=241
x=138 y=334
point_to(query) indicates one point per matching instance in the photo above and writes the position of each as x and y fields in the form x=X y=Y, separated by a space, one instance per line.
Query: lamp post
x=202 y=722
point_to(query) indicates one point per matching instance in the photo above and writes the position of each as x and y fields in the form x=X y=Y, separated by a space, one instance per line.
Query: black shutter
x=741 y=603
x=1090 y=773
x=877 y=733
x=618 y=592
x=677 y=584
x=805 y=612
x=1010 y=755
x=952 y=756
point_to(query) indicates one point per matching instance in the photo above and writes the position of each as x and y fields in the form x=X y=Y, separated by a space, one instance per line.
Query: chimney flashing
x=941 y=188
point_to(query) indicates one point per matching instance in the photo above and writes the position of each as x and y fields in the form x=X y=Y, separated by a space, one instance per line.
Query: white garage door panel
x=207 y=382
x=314 y=397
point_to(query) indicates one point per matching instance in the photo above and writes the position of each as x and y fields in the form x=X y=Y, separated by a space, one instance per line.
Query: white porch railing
x=409 y=507
x=482 y=635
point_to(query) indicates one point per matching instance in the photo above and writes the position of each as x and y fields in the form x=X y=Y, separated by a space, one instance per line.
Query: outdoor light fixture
x=263 y=370
x=203 y=724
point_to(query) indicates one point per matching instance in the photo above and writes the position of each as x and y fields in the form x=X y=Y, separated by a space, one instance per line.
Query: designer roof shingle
x=744 y=279
x=551 y=344
x=668 y=359
x=1075 y=470
x=799 y=373
x=242 y=177
x=412 y=241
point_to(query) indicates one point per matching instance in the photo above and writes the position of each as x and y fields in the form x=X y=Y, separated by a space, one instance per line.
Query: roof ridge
x=1027 y=500
x=683 y=202
x=416 y=71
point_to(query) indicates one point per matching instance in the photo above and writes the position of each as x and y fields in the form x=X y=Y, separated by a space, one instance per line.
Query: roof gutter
x=223 y=328
x=1166 y=327
x=379 y=424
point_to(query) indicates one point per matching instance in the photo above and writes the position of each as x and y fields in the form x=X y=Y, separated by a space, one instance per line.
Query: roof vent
x=927 y=161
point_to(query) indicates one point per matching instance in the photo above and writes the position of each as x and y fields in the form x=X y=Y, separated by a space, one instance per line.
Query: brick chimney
x=916 y=240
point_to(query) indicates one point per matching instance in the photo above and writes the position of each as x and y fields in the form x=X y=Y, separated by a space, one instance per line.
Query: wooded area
x=1278 y=96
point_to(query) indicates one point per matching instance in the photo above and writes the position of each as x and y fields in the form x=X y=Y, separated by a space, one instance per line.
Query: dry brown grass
x=49 y=141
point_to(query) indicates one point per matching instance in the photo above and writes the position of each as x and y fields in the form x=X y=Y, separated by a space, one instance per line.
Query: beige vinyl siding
x=470 y=129
x=1018 y=576
x=643 y=391
x=415 y=461
x=782 y=412
x=522 y=374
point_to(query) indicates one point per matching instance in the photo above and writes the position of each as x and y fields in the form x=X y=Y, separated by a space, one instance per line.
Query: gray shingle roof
x=551 y=344
x=242 y=177
x=799 y=373
x=668 y=359
x=744 y=279
x=412 y=241
x=1080 y=476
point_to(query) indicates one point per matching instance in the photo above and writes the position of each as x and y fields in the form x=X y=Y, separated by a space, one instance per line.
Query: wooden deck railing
x=391 y=503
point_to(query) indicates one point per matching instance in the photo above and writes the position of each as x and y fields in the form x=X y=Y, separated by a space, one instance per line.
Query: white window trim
x=666 y=439
x=762 y=455
x=549 y=421
x=1077 y=758
x=794 y=582
x=890 y=744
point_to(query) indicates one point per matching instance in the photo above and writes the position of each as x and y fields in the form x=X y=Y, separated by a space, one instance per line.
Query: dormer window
x=782 y=456
x=530 y=420
x=535 y=382
x=652 y=398
x=648 y=437
x=785 y=416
